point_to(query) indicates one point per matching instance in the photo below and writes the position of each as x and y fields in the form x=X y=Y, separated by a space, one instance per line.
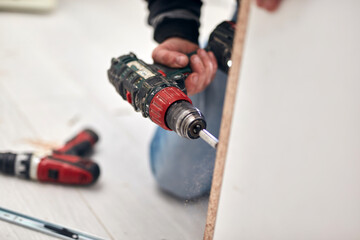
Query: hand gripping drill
x=159 y=92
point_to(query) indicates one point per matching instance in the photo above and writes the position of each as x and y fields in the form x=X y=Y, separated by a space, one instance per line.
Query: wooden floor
x=53 y=83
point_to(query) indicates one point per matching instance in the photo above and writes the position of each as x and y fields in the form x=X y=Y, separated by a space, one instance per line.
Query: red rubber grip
x=162 y=101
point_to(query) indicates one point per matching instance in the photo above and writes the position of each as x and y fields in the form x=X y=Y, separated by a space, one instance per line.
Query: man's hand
x=172 y=53
x=270 y=5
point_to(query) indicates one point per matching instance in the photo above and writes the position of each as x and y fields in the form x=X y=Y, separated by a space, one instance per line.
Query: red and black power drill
x=159 y=92
x=66 y=165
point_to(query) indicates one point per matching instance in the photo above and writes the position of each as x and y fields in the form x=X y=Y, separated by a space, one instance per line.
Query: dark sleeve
x=175 y=18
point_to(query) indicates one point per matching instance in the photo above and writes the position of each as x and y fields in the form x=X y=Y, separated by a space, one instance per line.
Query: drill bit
x=209 y=138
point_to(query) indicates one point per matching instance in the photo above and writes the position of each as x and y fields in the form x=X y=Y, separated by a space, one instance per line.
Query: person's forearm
x=177 y=18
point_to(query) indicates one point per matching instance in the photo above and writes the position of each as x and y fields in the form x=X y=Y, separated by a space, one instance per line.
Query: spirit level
x=43 y=226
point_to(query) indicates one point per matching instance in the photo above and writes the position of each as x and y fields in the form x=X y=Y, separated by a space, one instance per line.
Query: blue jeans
x=184 y=167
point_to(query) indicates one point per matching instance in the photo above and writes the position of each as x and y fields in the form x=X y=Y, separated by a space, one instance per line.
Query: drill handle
x=80 y=145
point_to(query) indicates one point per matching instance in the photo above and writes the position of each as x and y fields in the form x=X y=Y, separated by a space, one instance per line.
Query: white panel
x=293 y=165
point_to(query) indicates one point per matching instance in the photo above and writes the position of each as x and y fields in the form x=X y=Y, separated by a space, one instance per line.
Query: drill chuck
x=15 y=164
x=7 y=163
x=186 y=120
x=162 y=102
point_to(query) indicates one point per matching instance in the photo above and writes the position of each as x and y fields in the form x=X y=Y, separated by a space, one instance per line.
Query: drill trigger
x=161 y=72
x=128 y=97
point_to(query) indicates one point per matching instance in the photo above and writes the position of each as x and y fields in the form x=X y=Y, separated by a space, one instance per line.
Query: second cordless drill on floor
x=159 y=92
x=66 y=165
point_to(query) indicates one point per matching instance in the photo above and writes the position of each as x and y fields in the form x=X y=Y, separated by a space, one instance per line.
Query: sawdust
x=72 y=121
x=122 y=112
x=41 y=144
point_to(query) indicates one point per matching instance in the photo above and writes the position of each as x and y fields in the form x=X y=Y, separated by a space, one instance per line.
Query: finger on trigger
x=205 y=58
x=191 y=83
x=209 y=68
x=196 y=64
x=214 y=62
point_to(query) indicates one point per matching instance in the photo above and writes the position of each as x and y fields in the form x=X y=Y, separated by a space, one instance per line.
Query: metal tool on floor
x=35 y=6
x=159 y=92
x=65 y=165
x=48 y=228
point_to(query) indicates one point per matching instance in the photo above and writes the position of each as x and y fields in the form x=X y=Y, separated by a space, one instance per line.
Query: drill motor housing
x=221 y=42
x=138 y=82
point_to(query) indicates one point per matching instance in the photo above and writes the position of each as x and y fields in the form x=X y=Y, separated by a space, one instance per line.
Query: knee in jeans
x=185 y=188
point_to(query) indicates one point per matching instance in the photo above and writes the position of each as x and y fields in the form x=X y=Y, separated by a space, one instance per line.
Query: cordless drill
x=159 y=92
x=66 y=165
